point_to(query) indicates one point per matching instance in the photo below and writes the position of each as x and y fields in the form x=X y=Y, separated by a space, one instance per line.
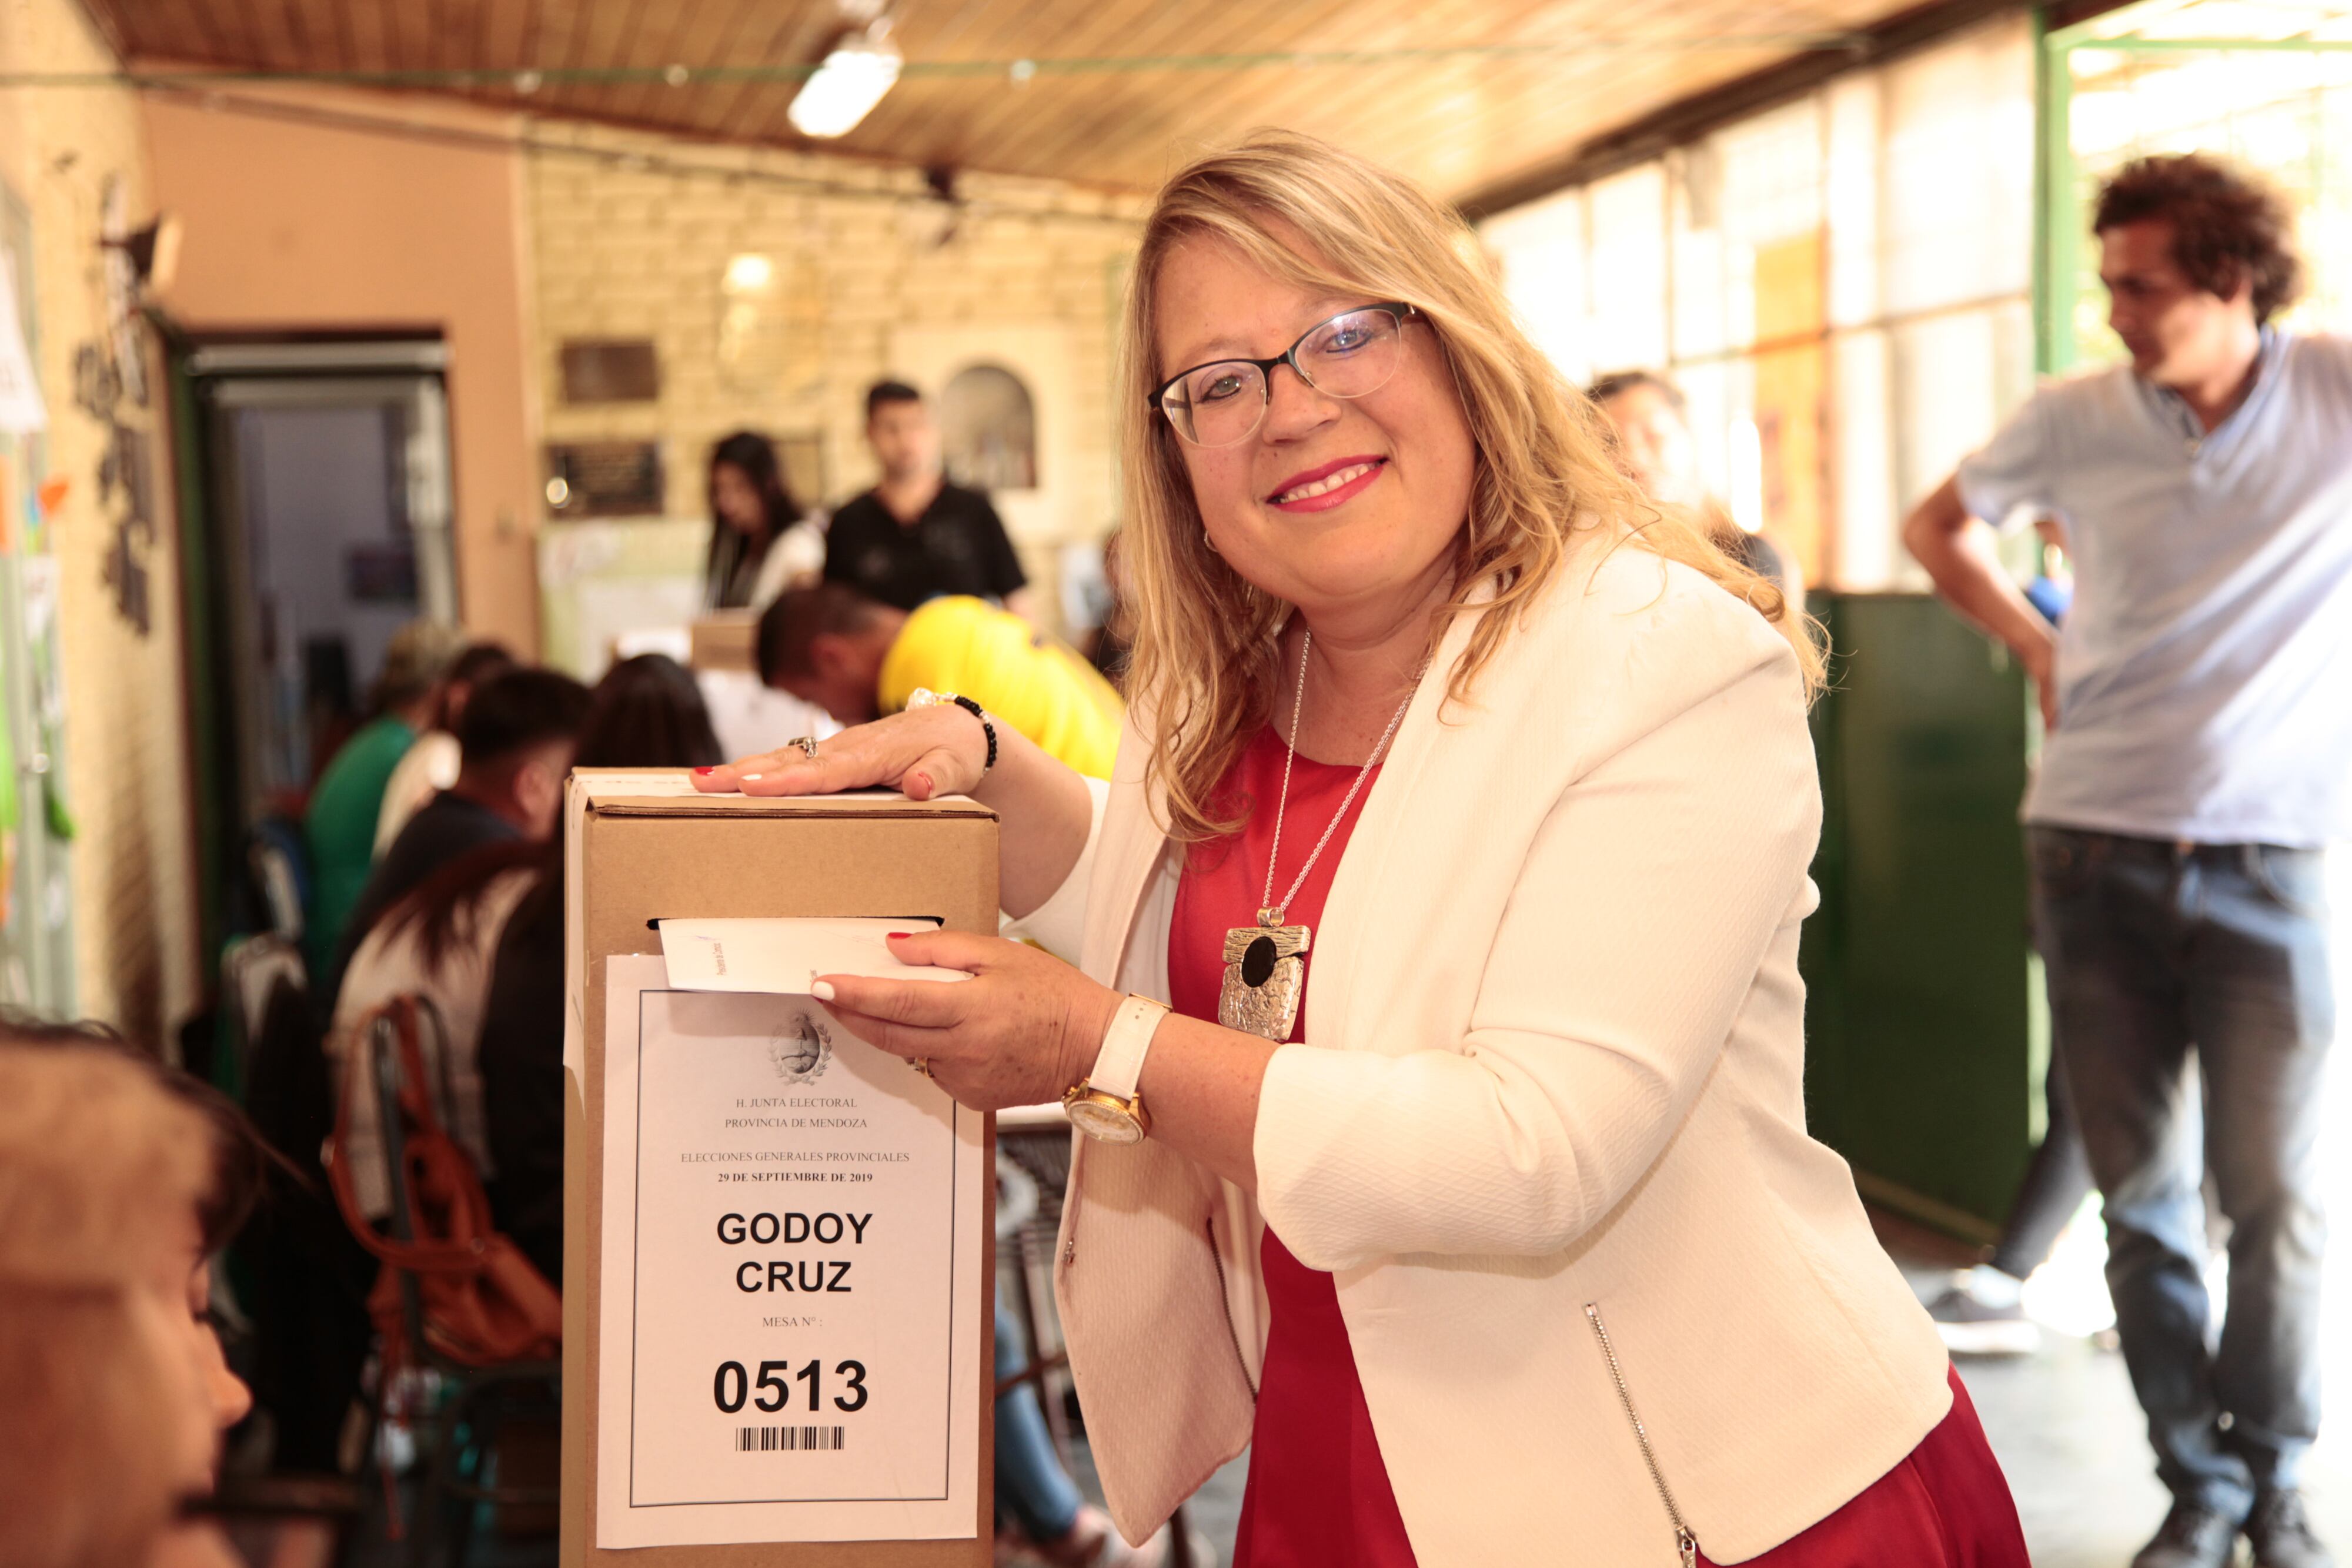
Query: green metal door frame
x=2058 y=249
x=208 y=759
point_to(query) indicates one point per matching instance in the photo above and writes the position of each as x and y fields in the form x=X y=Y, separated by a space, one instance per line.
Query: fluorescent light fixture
x=847 y=86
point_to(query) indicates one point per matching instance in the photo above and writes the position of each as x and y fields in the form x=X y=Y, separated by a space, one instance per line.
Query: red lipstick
x=1371 y=465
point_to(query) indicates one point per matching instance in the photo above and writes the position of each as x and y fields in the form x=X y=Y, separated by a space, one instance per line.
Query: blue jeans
x=1031 y=1484
x=2154 y=949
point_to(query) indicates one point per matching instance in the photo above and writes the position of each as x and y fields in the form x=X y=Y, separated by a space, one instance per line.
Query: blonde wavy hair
x=1204 y=661
x=100 y=1169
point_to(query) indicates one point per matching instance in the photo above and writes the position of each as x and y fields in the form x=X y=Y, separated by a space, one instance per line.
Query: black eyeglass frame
x=1396 y=309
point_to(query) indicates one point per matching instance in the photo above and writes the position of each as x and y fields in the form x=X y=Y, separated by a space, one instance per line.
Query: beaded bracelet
x=987 y=728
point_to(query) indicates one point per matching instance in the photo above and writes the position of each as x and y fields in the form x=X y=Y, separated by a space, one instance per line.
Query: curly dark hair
x=2227 y=226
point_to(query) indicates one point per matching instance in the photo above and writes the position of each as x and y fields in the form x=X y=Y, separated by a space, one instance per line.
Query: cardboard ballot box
x=779 y=1241
x=725 y=640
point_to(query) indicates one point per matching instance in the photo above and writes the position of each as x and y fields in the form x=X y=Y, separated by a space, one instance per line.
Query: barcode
x=785 y=1439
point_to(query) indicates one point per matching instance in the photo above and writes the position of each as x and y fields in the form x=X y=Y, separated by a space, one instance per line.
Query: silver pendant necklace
x=1265 y=963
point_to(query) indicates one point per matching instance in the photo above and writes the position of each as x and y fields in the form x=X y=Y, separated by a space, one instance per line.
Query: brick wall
x=639 y=246
x=125 y=736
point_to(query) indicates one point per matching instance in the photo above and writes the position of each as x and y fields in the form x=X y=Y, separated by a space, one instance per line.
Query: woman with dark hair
x=649 y=714
x=760 y=543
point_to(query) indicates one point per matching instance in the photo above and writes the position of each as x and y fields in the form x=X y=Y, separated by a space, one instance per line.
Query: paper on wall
x=791 y=1287
x=787 y=956
x=21 y=409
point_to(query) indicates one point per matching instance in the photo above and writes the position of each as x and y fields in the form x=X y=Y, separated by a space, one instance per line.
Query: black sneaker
x=2193 y=1536
x=2281 y=1532
x=1970 y=1326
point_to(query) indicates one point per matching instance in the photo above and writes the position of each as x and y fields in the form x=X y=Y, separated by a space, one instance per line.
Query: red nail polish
x=706 y=770
x=897 y=936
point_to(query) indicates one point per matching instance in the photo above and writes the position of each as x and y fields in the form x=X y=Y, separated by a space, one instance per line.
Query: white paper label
x=790 y=1292
x=787 y=955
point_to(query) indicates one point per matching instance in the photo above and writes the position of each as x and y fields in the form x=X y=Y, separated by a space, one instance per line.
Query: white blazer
x=1552 y=1094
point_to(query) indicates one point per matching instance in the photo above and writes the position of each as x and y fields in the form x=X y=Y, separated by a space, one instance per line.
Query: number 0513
x=732 y=1385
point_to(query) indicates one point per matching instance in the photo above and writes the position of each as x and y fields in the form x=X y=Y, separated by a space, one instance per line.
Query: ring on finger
x=807 y=743
x=923 y=1066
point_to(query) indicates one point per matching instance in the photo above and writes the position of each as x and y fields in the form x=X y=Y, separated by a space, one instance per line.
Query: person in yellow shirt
x=859 y=659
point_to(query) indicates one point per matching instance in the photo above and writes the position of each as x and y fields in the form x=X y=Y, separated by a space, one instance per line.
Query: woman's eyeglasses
x=1352 y=355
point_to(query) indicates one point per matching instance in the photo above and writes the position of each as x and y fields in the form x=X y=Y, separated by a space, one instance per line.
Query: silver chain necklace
x=1265 y=963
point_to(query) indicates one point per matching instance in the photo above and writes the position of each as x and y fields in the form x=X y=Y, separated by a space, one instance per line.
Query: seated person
x=859 y=659
x=430 y=766
x=438 y=942
x=339 y=828
x=435 y=944
x=515 y=743
x=649 y=713
x=1649 y=422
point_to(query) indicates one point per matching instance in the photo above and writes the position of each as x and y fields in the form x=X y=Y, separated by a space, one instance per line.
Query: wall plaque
x=618 y=370
x=604 y=478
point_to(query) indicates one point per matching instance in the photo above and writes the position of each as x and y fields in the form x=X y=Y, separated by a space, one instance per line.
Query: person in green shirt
x=340 y=825
x=857 y=659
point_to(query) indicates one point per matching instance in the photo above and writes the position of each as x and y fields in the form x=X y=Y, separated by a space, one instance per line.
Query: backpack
x=478 y=1301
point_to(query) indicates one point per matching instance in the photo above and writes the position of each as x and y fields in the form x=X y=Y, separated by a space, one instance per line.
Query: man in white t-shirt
x=2198 y=761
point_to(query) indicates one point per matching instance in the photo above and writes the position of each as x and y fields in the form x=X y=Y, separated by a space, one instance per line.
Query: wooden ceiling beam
x=1167 y=119
x=1315 y=101
x=1689 y=118
x=363 y=25
x=1502 y=128
x=395 y=40
x=635 y=44
x=714 y=108
x=760 y=103
x=995 y=104
x=215 y=40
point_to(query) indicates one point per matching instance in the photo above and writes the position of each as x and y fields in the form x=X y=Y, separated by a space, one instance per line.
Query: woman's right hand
x=924 y=752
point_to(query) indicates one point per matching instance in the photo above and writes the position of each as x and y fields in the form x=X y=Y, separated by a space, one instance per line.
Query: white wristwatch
x=1106 y=1104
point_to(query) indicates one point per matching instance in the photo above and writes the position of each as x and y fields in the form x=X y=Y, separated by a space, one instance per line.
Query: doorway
x=328 y=503
x=317 y=481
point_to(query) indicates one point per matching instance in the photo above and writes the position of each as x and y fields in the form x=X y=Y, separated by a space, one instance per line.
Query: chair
x=469 y=1403
x=279 y=866
x=253 y=968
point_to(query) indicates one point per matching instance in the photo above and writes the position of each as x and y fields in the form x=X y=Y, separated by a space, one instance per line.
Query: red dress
x=1319 y=1492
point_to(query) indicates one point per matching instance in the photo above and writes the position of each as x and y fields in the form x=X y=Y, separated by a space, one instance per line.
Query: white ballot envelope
x=789 y=1331
x=787 y=956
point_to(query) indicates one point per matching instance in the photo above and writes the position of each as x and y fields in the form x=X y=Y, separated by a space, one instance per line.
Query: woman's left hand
x=1019 y=1032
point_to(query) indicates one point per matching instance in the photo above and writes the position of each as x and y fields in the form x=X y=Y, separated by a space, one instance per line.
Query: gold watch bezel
x=1130 y=1110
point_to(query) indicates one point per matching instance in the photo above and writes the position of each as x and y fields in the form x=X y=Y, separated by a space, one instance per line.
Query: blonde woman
x=1463 y=817
x=113 y=1394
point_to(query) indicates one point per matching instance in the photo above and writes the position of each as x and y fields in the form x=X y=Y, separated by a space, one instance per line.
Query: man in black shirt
x=514 y=745
x=914 y=536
